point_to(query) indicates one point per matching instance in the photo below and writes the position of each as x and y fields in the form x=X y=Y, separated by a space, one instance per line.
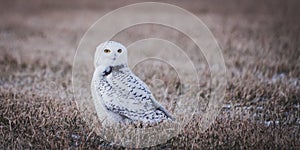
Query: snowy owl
x=119 y=95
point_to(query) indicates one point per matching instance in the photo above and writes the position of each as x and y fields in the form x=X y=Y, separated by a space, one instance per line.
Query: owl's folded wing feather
x=132 y=98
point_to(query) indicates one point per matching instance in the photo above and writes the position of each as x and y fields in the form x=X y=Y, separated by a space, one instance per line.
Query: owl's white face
x=110 y=54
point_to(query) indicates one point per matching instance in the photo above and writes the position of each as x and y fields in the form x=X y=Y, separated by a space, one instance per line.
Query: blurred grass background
x=261 y=46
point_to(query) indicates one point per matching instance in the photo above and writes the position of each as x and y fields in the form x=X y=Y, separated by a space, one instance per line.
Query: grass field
x=260 y=42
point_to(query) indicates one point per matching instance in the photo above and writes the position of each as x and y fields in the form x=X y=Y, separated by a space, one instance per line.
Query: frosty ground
x=259 y=41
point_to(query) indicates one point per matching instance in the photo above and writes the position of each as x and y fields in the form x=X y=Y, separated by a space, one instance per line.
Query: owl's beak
x=115 y=57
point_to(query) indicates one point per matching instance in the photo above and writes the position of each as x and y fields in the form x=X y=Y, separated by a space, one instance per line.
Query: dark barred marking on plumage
x=107 y=71
x=125 y=94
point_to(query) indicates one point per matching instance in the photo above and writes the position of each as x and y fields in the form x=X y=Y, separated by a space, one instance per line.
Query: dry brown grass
x=260 y=42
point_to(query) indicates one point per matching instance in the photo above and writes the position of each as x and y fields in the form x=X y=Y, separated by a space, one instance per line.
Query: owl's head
x=110 y=53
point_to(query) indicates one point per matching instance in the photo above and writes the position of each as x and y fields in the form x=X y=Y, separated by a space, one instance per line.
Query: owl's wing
x=131 y=97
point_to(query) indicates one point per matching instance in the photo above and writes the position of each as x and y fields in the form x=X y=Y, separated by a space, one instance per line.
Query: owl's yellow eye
x=106 y=51
x=119 y=50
